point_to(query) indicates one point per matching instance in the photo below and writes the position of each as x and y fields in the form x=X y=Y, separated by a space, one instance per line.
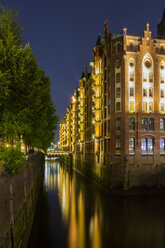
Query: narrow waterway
x=74 y=212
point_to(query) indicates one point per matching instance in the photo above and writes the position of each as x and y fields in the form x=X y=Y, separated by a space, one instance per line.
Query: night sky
x=63 y=33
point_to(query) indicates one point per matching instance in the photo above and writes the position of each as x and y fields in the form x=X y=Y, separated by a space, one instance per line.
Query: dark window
x=105 y=87
x=131 y=123
x=118 y=77
x=150 y=92
x=145 y=123
x=117 y=92
x=144 y=92
x=151 y=124
x=162 y=50
x=117 y=124
x=118 y=47
x=109 y=126
x=131 y=46
x=117 y=142
x=105 y=113
x=131 y=91
x=105 y=128
x=162 y=93
x=118 y=106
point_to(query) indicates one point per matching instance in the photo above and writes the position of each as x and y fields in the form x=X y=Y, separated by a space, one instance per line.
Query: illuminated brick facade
x=119 y=108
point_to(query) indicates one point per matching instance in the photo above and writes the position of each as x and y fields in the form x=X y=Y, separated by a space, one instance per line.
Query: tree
x=26 y=108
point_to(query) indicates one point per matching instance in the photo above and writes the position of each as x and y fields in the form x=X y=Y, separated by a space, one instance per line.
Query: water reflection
x=90 y=217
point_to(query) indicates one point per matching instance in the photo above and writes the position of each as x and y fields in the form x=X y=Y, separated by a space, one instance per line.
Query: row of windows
x=147 y=124
x=147 y=144
x=150 y=92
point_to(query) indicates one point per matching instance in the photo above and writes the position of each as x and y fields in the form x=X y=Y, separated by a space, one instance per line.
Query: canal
x=74 y=212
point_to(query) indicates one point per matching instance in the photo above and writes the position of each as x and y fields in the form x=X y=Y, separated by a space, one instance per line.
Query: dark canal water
x=74 y=212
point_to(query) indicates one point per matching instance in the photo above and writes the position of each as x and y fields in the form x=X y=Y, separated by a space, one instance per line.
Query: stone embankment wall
x=18 y=200
x=122 y=174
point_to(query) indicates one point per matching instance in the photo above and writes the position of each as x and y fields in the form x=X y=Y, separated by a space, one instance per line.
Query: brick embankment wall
x=18 y=200
x=123 y=175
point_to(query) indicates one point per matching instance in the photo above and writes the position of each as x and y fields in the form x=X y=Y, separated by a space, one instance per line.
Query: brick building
x=119 y=109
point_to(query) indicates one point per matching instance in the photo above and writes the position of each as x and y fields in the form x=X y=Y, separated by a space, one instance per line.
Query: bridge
x=57 y=153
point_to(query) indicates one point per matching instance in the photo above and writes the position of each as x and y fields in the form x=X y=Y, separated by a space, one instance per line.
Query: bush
x=12 y=159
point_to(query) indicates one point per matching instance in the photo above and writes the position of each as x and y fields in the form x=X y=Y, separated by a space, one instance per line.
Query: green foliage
x=26 y=108
x=12 y=159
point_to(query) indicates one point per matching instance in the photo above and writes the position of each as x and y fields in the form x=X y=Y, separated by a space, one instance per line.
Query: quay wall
x=122 y=174
x=18 y=200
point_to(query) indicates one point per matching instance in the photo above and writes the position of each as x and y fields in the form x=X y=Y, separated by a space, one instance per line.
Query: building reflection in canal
x=93 y=218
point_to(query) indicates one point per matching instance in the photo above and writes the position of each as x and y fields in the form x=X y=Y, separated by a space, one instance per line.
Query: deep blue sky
x=62 y=34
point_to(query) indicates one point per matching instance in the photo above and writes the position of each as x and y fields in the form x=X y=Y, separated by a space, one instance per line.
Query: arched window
x=145 y=123
x=150 y=92
x=131 y=145
x=132 y=123
x=162 y=124
x=147 y=145
x=151 y=124
x=162 y=145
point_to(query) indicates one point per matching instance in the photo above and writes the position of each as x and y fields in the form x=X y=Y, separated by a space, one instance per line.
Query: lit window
x=150 y=106
x=162 y=124
x=162 y=80
x=144 y=77
x=117 y=124
x=117 y=142
x=144 y=106
x=131 y=77
x=117 y=92
x=131 y=145
x=162 y=144
x=162 y=107
x=131 y=91
x=144 y=144
x=118 y=77
x=150 y=144
x=147 y=41
x=144 y=92
x=131 y=106
x=147 y=144
x=132 y=123
x=150 y=77
x=162 y=93
x=118 y=106
x=150 y=92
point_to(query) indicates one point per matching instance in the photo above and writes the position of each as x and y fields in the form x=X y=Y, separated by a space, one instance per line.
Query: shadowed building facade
x=119 y=109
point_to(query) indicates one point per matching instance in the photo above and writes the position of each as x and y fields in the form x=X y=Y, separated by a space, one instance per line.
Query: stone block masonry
x=18 y=200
